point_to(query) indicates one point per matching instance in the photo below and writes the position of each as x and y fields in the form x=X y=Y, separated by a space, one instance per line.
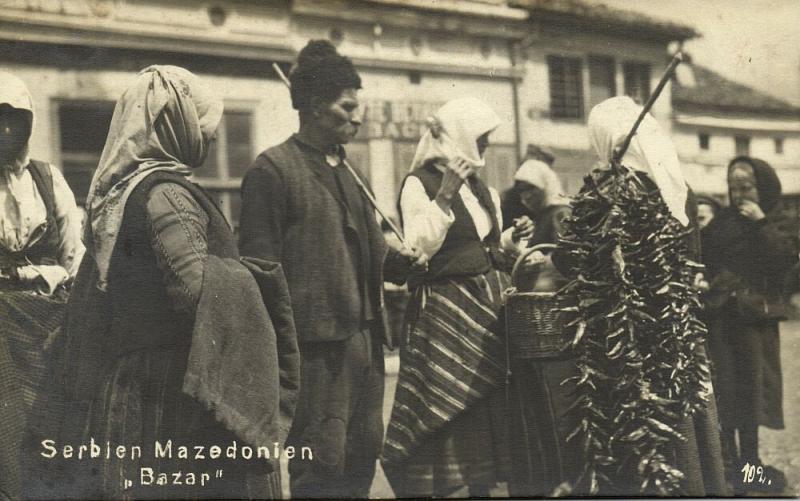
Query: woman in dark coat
x=748 y=248
x=167 y=332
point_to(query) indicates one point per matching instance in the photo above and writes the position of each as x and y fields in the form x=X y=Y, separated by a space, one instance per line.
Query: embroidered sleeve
x=178 y=235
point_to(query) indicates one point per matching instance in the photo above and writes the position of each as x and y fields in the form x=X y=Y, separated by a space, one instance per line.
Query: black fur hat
x=321 y=72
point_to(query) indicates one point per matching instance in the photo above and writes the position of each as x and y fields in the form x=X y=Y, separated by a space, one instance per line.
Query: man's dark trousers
x=339 y=416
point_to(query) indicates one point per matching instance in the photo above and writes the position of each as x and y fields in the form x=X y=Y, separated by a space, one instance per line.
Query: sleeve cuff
x=507 y=242
x=46 y=278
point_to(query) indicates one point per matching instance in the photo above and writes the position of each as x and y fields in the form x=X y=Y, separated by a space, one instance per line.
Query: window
x=601 y=79
x=566 y=87
x=703 y=140
x=83 y=127
x=228 y=159
x=637 y=81
x=779 y=146
x=742 y=145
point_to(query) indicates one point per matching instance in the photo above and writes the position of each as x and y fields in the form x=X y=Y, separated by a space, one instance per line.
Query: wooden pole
x=676 y=60
x=356 y=177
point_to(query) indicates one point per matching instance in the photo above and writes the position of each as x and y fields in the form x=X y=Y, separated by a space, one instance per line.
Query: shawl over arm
x=243 y=362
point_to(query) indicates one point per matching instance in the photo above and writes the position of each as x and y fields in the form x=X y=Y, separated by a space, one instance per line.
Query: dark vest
x=45 y=250
x=462 y=253
x=135 y=313
x=323 y=253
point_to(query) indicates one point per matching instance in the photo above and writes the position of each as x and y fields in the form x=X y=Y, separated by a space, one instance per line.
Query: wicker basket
x=534 y=327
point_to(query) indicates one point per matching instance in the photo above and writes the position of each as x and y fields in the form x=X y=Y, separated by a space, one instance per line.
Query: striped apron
x=452 y=370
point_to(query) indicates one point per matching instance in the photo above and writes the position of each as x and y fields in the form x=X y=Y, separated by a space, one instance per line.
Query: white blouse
x=22 y=216
x=425 y=224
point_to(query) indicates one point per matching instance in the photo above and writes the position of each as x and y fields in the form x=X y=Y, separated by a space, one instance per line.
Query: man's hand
x=523 y=228
x=417 y=260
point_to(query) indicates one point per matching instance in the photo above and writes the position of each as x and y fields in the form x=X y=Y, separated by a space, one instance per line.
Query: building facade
x=716 y=119
x=540 y=64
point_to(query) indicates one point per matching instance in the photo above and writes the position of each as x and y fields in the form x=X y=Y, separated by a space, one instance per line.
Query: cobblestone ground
x=781 y=448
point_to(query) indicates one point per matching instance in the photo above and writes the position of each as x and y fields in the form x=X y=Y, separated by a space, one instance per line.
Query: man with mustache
x=302 y=208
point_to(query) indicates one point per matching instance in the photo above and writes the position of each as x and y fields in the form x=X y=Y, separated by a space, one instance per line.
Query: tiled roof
x=601 y=16
x=712 y=90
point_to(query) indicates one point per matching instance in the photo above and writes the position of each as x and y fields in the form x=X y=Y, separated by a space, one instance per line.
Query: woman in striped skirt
x=446 y=429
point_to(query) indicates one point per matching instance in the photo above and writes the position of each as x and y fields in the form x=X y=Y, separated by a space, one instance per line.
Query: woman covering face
x=448 y=405
x=164 y=321
x=749 y=248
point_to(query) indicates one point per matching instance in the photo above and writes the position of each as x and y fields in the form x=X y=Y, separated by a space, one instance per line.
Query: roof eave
x=688 y=105
x=618 y=27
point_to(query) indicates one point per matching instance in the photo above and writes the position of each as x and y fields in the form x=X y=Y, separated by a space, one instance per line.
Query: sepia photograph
x=399 y=249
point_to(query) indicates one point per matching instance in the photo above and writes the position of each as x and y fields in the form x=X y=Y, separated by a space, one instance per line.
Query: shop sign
x=385 y=119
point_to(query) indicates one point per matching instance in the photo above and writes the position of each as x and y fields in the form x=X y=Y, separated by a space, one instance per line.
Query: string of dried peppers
x=637 y=334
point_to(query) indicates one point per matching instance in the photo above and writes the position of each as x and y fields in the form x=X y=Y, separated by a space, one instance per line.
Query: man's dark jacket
x=293 y=214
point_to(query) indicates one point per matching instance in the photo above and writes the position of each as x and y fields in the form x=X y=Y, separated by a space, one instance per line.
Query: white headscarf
x=541 y=175
x=21 y=200
x=14 y=93
x=454 y=131
x=650 y=151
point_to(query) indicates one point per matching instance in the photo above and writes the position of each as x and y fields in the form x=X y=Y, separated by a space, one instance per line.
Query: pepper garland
x=637 y=334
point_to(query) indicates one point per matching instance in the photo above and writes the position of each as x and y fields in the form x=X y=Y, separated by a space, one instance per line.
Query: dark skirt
x=747 y=370
x=700 y=457
x=542 y=459
x=142 y=402
x=28 y=324
x=448 y=426
x=545 y=463
x=11 y=426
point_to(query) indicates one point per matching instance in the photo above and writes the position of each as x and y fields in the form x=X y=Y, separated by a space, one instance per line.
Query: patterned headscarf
x=164 y=121
x=454 y=131
x=651 y=150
